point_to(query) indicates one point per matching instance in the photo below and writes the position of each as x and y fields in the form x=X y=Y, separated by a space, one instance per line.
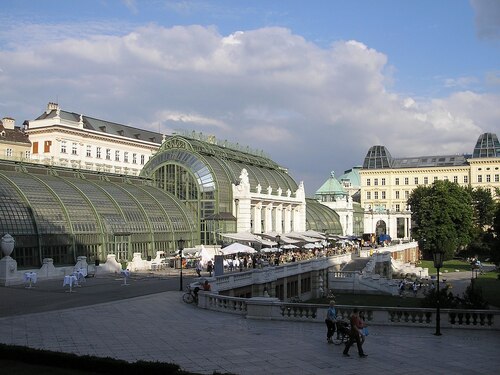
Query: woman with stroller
x=331 y=318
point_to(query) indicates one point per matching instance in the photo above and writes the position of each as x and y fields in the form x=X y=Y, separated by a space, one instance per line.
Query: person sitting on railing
x=206 y=286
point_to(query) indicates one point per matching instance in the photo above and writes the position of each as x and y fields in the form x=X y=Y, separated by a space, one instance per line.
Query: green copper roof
x=332 y=186
x=352 y=175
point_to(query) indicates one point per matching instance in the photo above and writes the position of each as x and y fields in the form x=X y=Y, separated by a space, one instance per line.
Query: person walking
x=198 y=268
x=331 y=319
x=355 y=335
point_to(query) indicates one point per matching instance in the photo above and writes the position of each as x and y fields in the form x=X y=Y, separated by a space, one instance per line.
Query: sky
x=313 y=84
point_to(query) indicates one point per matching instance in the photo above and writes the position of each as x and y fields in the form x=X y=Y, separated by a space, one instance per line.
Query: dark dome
x=487 y=146
x=377 y=157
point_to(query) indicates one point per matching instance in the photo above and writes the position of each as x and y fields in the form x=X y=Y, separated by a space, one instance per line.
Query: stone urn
x=7 y=245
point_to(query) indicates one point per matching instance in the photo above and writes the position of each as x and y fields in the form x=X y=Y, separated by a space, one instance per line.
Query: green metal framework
x=62 y=214
x=201 y=174
x=321 y=218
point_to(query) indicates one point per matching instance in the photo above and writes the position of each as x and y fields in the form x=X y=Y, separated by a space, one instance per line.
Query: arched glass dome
x=487 y=146
x=378 y=157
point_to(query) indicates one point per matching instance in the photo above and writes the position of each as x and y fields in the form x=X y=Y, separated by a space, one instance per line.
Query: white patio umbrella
x=236 y=248
x=310 y=246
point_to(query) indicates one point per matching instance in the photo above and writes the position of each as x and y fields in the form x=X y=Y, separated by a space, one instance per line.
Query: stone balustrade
x=274 y=309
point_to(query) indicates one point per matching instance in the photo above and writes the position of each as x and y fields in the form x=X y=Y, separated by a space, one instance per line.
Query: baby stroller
x=342 y=335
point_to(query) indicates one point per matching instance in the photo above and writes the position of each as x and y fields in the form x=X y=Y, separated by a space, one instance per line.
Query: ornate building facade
x=387 y=182
x=73 y=140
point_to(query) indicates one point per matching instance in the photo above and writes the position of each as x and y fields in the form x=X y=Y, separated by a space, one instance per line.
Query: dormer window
x=120 y=132
x=103 y=129
x=137 y=135
x=2 y=133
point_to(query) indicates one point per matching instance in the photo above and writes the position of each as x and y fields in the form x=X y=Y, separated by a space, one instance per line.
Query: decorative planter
x=7 y=245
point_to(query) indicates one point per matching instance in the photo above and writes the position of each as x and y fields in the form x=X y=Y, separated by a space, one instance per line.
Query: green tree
x=443 y=217
x=495 y=243
x=484 y=207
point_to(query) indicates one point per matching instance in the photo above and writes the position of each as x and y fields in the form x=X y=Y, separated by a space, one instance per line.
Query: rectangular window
x=89 y=151
x=142 y=159
x=488 y=178
x=108 y=154
x=63 y=147
x=383 y=195
x=397 y=194
x=117 y=155
x=497 y=178
x=125 y=157
x=415 y=180
x=398 y=208
x=74 y=149
x=46 y=146
x=455 y=179
x=435 y=178
x=375 y=195
x=134 y=158
x=27 y=154
x=479 y=178
x=8 y=152
x=368 y=182
x=375 y=181
x=426 y=180
x=407 y=194
x=466 y=179
x=383 y=181
x=397 y=181
x=98 y=152
x=407 y=181
x=35 y=147
x=445 y=178
x=368 y=195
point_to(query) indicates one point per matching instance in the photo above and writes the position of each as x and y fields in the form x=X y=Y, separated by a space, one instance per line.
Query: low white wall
x=273 y=309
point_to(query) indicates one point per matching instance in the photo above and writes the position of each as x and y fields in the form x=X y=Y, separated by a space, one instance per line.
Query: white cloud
x=311 y=109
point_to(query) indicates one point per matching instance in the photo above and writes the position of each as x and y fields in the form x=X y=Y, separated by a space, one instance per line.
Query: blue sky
x=313 y=84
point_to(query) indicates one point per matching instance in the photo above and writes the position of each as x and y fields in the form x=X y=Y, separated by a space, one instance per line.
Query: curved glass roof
x=216 y=168
x=487 y=146
x=377 y=157
x=322 y=218
x=52 y=207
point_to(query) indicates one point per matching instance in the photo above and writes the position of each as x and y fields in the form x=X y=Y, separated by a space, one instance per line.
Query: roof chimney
x=8 y=123
x=52 y=106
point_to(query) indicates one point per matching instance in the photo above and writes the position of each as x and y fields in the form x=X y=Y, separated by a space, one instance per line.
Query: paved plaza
x=147 y=320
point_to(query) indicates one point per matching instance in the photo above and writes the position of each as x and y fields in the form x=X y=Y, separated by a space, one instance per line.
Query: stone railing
x=274 y=309
x=272 y=273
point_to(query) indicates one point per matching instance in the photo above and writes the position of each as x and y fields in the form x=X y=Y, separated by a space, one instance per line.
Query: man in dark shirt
x=354 y=334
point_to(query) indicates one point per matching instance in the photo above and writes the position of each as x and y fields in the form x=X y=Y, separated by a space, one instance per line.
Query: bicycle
x=190 y=296
x=342 y=334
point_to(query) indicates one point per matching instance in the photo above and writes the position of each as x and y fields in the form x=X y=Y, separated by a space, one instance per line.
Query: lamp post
x=438 y=256
x=180 y=246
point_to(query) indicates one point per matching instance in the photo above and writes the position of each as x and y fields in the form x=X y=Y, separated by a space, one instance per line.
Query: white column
x=288 y=218
x=257 y=218
x=268 y=219
x=278 y=216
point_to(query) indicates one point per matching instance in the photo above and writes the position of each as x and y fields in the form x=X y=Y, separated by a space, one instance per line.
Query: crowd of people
x=276 y=257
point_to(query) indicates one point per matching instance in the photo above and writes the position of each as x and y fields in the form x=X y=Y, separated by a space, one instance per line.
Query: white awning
x=248 y=237
x=236 y=248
